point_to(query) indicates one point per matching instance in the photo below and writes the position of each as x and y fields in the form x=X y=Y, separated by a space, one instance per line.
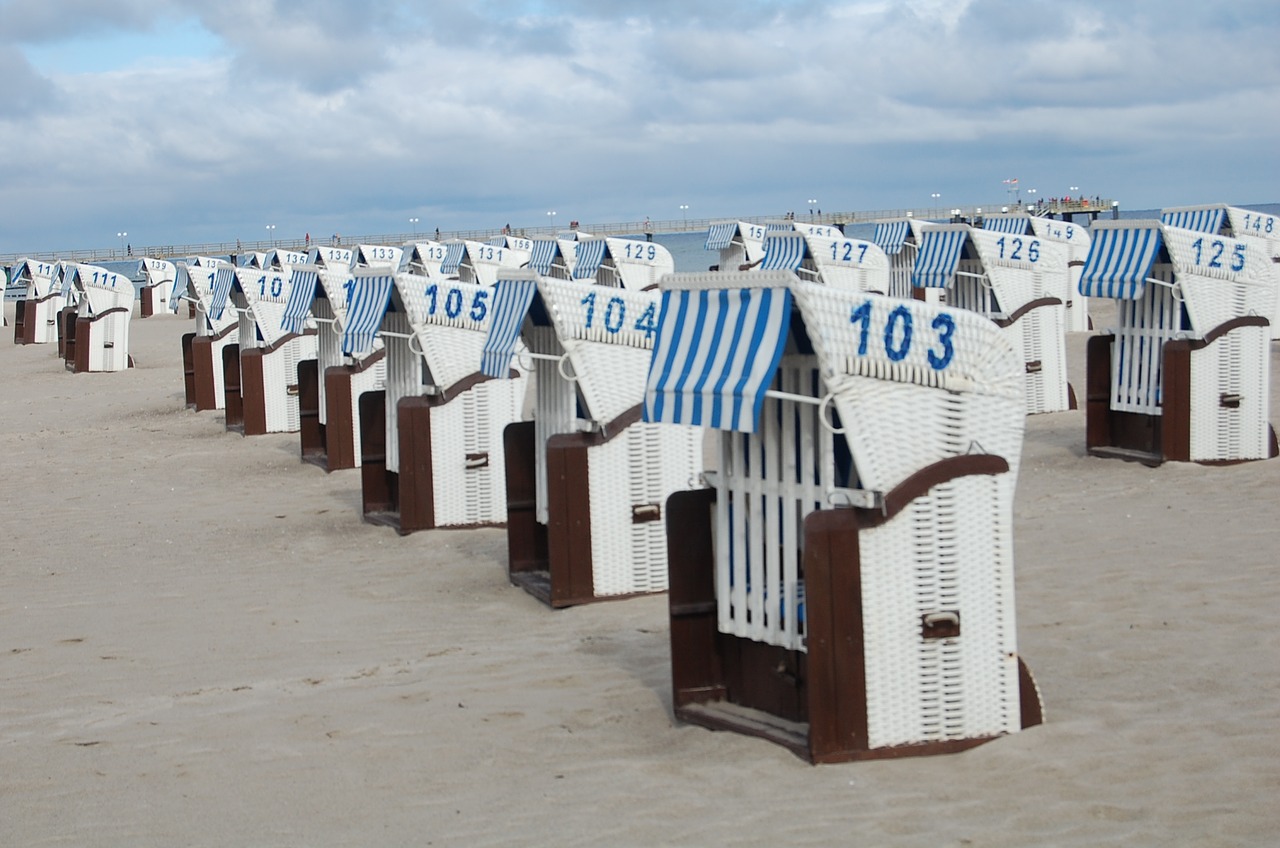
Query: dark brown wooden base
x=253 y=393
x=311 y=433
x=147 y=300
x=67 y=337
x=189 y=370
x=23 y=330
x=233 y=402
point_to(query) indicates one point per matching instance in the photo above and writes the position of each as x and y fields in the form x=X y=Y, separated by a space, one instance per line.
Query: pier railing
x=620 y=228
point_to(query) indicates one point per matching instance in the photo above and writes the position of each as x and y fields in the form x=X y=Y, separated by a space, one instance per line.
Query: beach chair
x=585 y=479
x=844 y=585
x=833 y=261
x=330 y=386
x=157 y=279
x=900 y=240
x=1185 y=375
x=376 y=256
x=738 y=243
x=268 y=356
x=553 y=257
x=36 y=312
x=1260 y=229
x=631 y=263
x=1075 y=241
x=203 y=350
x=423 y=258
x=98 y=337
x=432 y=438
x=1018 y=282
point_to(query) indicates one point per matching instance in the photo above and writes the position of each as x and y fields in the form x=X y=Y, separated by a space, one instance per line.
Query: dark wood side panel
x=189 y=369
x=569 y=521
x=526 y=538
x=339 y=429
x=697 y=674
x=253 y=392
x=376 y=493
x=417 y=483
x=233 y=402
x=1098 y=392
x=310 y=430
x=1175 y=401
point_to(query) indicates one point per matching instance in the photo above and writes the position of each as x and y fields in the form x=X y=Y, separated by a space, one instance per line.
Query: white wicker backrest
x=487 y=261
x=1021 y=268
x=450 y=321
x=639 y=264
x=914 y=383
x=1220 y=277
x=102 y=289
x=266 y=293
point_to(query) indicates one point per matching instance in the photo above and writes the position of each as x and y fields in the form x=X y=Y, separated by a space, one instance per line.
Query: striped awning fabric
x=1202 y=220
x=716 y=353
x=939 y=256
x=181 y=287
x=720 y=236
x=1012 y=224
x=370 y=296
x=512 y=297
x=544 y=255
x=1119 y=262
x=590 y=255
x=223 y=278
x=783 y=251
x=454 y=251
x=890 y=236
x=302 y=293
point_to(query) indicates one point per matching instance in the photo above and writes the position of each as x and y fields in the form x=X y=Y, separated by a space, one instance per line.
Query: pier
x=1066 y=210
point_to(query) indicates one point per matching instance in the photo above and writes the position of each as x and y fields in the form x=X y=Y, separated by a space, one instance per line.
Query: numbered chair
x=331 y=257
x=834 y=261
x=203 y=351
x=329 y=386
x=844 y=586
x=630 y=263
x=423 y=258
x=1186 y=373
x=1259 y=230
x=585 y=480
x=900 y=240
x=264 y=368
x=737 y=242
x=157 y=290
x=36 y=312
x=376 y=256
x=98 y=337
x=1015 y=280
x=1075 y=241
x=432 y=439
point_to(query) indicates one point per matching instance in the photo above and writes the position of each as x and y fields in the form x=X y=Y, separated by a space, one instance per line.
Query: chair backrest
x=370 y=297
x=841 y=262
x=450 y=320
x=376 y=256
x=737 y=243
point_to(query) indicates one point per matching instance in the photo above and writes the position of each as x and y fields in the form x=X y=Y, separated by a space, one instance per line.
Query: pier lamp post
x=271 y=233
x=551 y=216
x=121 y=236
x=935 y=197
x=414 y=222
x=684 y=210
x=813 y=202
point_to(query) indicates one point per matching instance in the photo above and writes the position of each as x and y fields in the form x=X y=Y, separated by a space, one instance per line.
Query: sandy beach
x=202 y=643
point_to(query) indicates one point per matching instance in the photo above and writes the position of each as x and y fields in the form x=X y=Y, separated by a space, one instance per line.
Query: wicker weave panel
x=404 y=373
x=638 y=469
x=1237 y=366
x=1213 y=291
x=467 y=489
x=950 y=552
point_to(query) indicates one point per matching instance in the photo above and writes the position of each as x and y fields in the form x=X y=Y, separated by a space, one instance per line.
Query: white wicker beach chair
x=217 y=329
x=900 y=240
x=331 y=257
x=834 y=261
x=97 y=339
x=585 y=479
x=1075 y=241
x=432 y=438
x=1186 y=374
x=377 y=256
x=423 y=258
x=1018 y=282
x=329 y=387
x=36 y=313
x=1257 y=229
x=158 y=281
x=628 y=263
x=845 y=585
x=738 y=243
x=269 y=355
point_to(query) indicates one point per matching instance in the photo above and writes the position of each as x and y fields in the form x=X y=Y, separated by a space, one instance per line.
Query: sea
x=688 y=250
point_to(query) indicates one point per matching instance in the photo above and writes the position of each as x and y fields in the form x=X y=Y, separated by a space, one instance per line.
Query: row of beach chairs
x=812 y=451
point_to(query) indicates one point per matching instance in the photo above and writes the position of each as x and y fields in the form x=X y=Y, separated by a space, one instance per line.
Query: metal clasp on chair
x=642 y=513
x=477 y=460
x=1230 y=401
x=940 y=625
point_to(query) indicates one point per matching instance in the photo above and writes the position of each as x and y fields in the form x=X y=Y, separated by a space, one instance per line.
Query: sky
x=182 y=121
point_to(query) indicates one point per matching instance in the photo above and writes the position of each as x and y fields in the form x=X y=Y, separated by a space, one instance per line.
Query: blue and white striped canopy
x=939 y=256
x=783 y=251
x=224 y=277
x=370 y=296
x=544 y=255
x=453 y=253
x=720 y=236
x=716 y=353
x=590 y=255
x=1119 y=261
x=181 y=287
x=512 y=297
x=890 y=236
x=1202 y=220
x=302 y=293
x=1015 y=225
